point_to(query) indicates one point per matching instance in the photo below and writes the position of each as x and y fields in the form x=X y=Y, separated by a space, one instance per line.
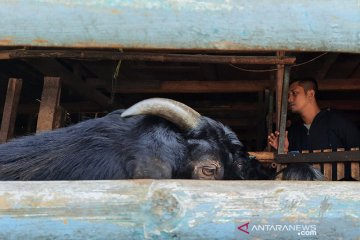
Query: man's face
x=297 y=98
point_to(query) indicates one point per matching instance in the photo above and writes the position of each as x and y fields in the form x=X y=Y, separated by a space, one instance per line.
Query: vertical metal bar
x=279 y=87
x=283 y=113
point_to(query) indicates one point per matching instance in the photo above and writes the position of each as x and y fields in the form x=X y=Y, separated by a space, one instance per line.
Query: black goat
x=156 y=138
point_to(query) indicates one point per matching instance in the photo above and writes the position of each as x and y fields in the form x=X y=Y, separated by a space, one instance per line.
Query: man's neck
x=310 y=113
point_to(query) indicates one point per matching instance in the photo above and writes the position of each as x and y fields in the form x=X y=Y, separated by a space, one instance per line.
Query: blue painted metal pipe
x=179 y=209
x=303 y=25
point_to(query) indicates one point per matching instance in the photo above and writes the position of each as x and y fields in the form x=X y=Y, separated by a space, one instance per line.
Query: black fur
x=113 y=147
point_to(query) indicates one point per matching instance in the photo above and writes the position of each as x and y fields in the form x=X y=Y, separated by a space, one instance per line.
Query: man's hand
x=273 y=140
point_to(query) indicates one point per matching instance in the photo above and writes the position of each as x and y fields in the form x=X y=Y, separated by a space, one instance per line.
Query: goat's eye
x=240 y=165
x=208 y=171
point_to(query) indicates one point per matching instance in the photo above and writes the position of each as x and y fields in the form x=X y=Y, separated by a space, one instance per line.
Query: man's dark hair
x=307 y=84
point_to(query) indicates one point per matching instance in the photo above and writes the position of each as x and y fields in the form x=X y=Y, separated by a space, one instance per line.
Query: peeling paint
x=6 y=41
x=325 y=205
x=40 y=41
x=324 y=25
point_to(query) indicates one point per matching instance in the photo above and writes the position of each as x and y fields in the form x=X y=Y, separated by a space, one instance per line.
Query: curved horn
x=176 y=112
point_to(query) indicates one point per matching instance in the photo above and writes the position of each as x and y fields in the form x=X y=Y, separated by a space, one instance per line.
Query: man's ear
x=311 y=93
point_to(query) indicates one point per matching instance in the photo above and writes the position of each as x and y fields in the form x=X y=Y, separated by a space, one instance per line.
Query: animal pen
x=64 y=61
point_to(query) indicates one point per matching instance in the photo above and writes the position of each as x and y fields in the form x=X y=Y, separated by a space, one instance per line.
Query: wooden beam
x=329 y=61
x=10 y=109
x=241 y=85
x=339 y=84
x=265 y=157
x=319 y=157
x=88 y=106
x=191 y=86
x=341 y=104
x=145 y=56
x=49 y=103
x=51 y=67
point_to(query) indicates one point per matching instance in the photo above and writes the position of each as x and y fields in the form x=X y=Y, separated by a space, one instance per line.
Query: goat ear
x=178 y=113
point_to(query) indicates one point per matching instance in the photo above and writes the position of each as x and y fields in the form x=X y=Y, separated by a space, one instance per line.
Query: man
x=318 y=129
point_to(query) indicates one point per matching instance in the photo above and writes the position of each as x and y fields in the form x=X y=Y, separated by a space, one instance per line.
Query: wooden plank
x=59 y=117
x=322 y=157
x=265 y=157
x=355 y=171
x=191 y=86
x=329 y=61
x=89 y=106
x=270 y=113
x=317 y=165
x=355 y=168
x=10 y=109
x=328 y=167
x=336 y=85
x=339 y=104
x=241 y=85
x=290 y=25
x=176 y=209
x=340 y=167
x=51 y=67
x=280 y=167
x=49 y=103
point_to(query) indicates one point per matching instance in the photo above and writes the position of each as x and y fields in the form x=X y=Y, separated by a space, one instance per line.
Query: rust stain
x=39 y=40
x=278 y=191
x=4 y=204
x=115 y=11
x=5 y=41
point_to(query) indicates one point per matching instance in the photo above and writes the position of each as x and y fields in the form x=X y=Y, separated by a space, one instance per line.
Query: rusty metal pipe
x=146 y=56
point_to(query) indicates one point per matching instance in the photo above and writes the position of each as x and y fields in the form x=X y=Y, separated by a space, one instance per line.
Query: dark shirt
x=329 y=130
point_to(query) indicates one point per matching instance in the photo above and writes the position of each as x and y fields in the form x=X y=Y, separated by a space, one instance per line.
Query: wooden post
x=328 y=168
x=260 y=127
x=340 y=167
x=317 y=165
x=269 y=96
x=49 y=102
x=59 y=117
x=355 y=167
x=10 y=109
